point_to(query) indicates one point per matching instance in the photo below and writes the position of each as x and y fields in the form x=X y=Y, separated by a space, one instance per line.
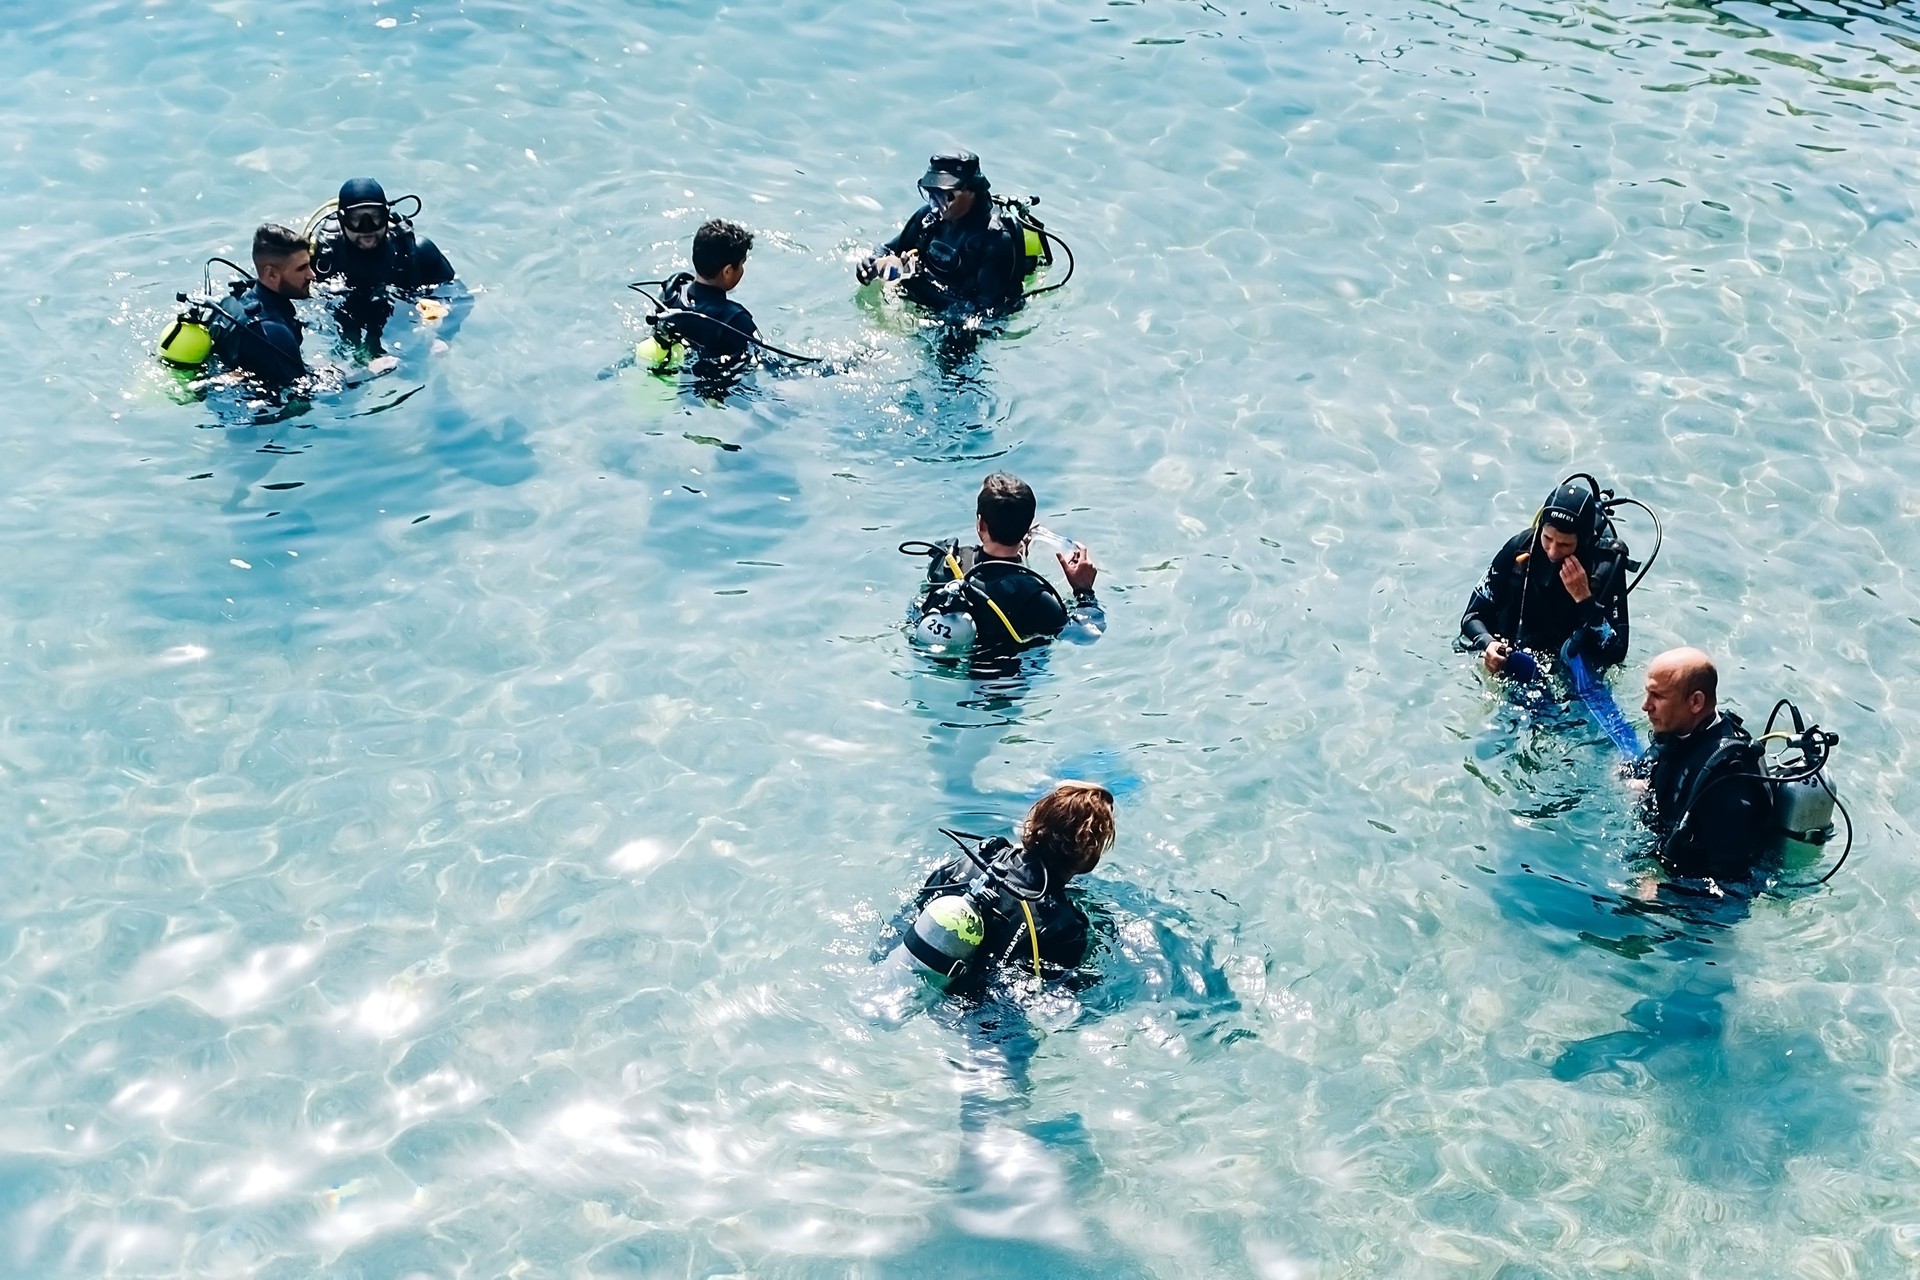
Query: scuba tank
x=1035 y=252
x=1803 y=799
x=943 y=938
x=943 y=943
x=1036 y=242
x=190 y=340
x=946 y=623
x=663 y=350
x=658 y=353
x=954 y=613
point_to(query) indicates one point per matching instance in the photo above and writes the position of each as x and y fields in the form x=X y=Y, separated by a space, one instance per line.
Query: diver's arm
x=1086 y=621
x=867 y=270
x=1614 y=613
x=1721 y=833
x=279 y=352
x=430 y=266
x=1484 y=607
x=746 y=333
x=1602 y=638
x=910 y=234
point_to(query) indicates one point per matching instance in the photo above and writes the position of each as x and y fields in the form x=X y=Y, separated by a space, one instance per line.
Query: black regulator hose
x=992 y=872
x=1659 y=534
x=1061 y=283
x=663 y=310
x=1845 y=850
x=206 y=272
x=1815 y=750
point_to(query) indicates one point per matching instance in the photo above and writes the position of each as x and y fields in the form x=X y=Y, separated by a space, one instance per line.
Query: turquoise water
x=451 y=822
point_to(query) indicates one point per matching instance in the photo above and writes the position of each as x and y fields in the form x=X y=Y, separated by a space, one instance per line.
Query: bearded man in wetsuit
x=372 y=249
x=1012 y=606
x=1557 y=588
x=956 y=254
x=373 y=253
x=1705 y=799
x=260 y=333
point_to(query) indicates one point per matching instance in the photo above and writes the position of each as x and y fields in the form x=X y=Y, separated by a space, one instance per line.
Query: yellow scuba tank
x=656 y=356
x=1035 y=251
x=188 y=341
x=187 y=344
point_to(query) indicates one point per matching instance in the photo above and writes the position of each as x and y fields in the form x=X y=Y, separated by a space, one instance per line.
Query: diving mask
x=364 y=219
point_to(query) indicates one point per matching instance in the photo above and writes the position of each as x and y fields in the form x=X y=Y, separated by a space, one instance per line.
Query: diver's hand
x=1494 y=656
x=866 y=269
x=1573 y=576
x=888 y=266
x=1079 y=568
x=909 y=264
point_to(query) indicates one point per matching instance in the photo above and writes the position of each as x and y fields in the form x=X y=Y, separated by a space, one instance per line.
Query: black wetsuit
x=972 y=264
x=1061 y=926
x=1029 y=611
x=706 y=319
x=259 y=333
x=1549 y=619
x=1711 y=821
x=400 y=261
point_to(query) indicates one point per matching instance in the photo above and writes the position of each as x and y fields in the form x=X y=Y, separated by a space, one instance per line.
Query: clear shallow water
x=491 y=893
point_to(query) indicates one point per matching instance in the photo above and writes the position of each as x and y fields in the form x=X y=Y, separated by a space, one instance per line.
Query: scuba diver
x=254 y=328
x=961 y=251
x=1001 y=903
x=693 y=313
x=372 y=250
x=1557 y=588
x=369 y=247
x=1707 y=794
x=985 y=597
x=698 y=311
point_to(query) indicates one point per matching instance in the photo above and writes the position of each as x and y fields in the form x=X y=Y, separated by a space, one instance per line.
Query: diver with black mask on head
x=961 y=251
x=371 y=249
x=1557 y=588
x=366 y=244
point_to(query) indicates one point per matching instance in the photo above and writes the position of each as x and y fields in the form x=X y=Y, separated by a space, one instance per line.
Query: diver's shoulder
x=1518 y=544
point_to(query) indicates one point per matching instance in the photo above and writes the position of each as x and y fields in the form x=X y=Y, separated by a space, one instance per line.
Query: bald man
x=1713 y=816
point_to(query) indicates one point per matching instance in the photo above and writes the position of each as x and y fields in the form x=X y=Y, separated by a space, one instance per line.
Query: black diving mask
x=364 y=219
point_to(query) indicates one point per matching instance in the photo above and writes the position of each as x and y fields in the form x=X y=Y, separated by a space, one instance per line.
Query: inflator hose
x=638 y=287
